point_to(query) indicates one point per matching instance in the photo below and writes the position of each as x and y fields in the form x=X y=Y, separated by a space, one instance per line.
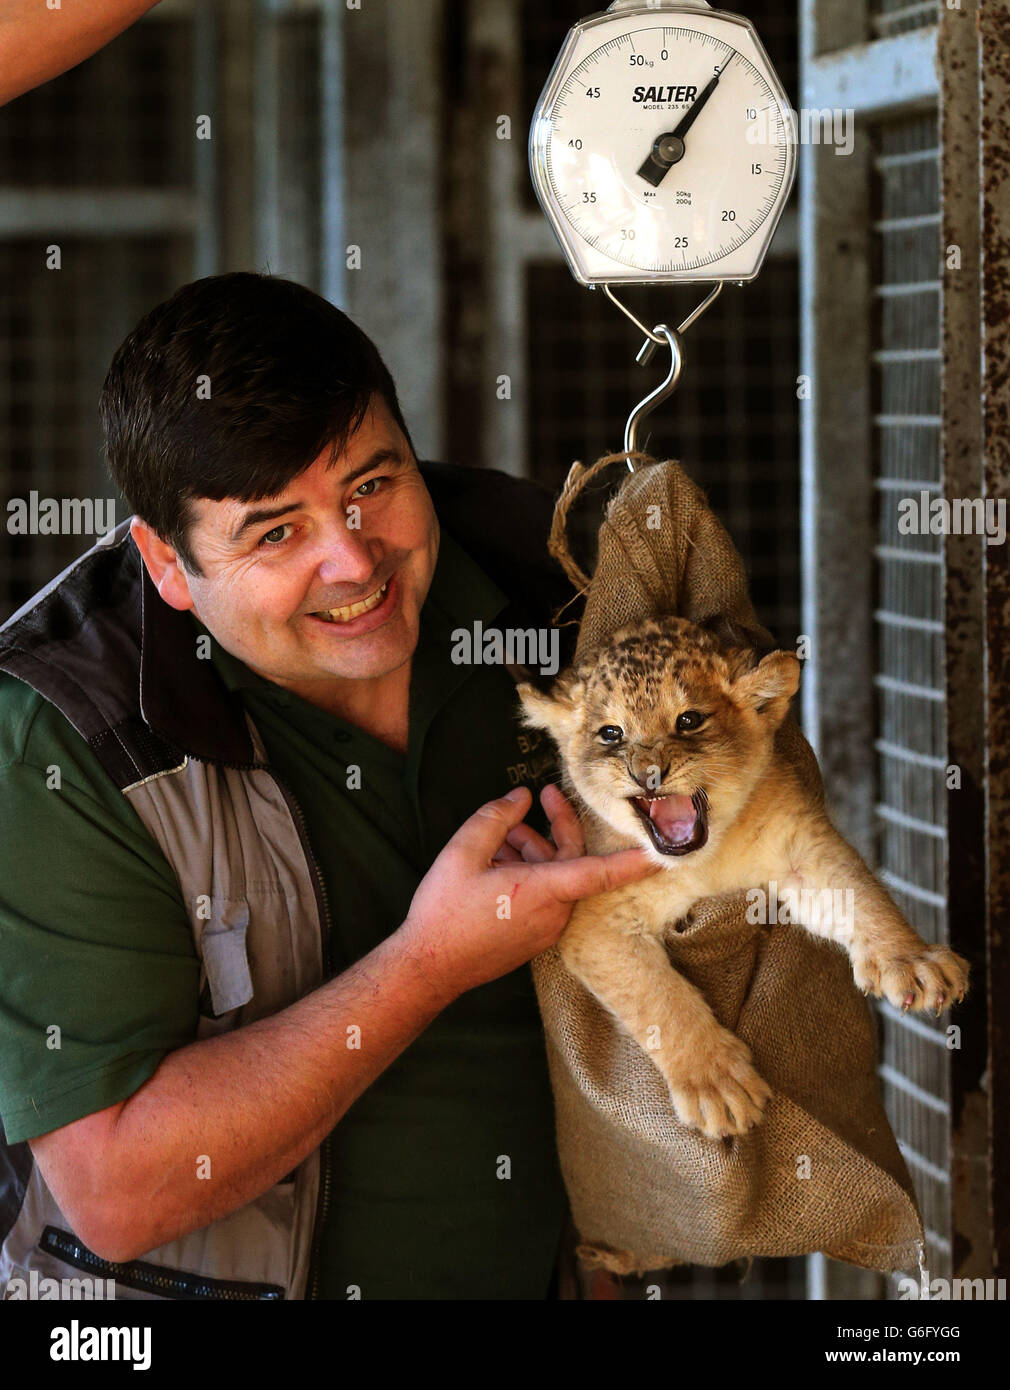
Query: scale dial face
x=662 y=147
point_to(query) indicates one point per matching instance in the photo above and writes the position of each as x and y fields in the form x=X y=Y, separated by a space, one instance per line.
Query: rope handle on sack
x=578 y=477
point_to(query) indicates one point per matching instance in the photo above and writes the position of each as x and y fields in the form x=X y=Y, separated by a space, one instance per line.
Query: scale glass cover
x=662 y=147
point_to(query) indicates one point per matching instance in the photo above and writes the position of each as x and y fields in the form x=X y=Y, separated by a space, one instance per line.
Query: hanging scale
x=661 y=151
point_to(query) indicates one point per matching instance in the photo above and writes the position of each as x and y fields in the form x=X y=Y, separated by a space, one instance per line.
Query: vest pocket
x=151 y=1278
x=222 y=945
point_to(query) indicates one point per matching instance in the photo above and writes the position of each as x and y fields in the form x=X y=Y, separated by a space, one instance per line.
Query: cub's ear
x=555 y=710
x=770 y=685
x=740 y=646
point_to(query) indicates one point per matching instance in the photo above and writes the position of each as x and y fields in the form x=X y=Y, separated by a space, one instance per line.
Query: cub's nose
x=648 y=773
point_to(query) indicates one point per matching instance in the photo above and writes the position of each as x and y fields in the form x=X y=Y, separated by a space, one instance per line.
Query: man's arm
x=258 y=1100
x=37 y=43
x=255 y=1102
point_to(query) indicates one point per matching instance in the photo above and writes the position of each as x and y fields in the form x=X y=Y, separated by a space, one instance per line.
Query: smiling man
x=267 y=1026
x=320 y=593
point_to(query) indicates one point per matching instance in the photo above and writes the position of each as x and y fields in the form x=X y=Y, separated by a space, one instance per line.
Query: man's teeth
x=353 y=610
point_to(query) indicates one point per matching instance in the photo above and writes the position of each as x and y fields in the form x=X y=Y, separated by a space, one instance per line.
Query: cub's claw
x=920 y=977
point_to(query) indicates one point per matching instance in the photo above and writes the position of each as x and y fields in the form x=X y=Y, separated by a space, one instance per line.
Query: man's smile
x=367 y=613
x=352 y=610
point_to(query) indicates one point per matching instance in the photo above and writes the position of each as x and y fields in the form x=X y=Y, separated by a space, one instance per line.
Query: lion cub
x=667 y=740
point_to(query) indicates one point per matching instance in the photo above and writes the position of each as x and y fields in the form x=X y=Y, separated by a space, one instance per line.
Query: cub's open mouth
x=677 y=824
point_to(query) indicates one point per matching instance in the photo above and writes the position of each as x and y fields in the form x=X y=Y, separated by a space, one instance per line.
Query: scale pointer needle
x=668 y=148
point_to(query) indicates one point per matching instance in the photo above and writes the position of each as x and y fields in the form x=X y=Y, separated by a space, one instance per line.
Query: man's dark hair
x=232 y=388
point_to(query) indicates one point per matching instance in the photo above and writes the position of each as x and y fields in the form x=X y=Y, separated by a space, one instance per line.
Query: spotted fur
x=762 y=824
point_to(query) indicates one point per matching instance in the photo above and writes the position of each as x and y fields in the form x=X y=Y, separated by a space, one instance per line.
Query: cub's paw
x=923 y=977
x=718 y=1091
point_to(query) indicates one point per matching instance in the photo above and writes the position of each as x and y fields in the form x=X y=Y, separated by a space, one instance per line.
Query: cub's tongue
x=674 y=817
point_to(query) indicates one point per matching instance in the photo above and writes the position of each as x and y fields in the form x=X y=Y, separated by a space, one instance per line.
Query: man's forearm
x=248 y=1106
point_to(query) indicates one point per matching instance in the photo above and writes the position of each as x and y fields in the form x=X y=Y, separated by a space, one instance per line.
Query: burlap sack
x=822 y=1172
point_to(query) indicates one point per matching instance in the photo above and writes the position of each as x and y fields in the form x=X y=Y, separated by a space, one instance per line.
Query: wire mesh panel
x=899 y=16
x=58 y=331
x=97 y=217
x=124 y=117
x=909 y=619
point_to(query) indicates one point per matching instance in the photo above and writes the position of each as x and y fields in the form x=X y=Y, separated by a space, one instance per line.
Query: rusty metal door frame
x=940 y=68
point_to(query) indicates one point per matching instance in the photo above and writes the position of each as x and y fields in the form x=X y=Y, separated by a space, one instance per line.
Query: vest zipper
x=149 y=1278
x=323 y=905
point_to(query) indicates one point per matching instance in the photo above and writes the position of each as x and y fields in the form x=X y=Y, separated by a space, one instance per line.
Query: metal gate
x=893 y=699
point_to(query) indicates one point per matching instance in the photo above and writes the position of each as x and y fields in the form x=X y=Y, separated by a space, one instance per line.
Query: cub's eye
x=610 y=733
x=690 y=719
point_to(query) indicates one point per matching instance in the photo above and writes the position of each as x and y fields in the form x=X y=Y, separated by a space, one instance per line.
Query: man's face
x=335 y=537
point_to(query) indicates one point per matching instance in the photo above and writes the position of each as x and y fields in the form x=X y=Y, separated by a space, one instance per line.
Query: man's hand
x=499 y=893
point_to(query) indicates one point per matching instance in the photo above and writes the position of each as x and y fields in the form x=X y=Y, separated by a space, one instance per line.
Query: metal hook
x=654 y=398
x=654 y=338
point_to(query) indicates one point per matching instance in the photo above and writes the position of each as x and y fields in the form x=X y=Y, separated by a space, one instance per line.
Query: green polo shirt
x=443 y=1175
